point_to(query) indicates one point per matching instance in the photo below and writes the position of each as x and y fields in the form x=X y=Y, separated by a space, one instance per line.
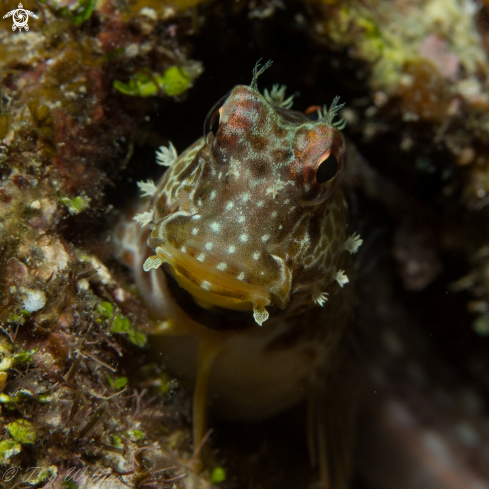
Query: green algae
x=137 y=338
x=106 y=309
x=45 y=398
x=118 y=383
x=121 y=324
x=6 y=363
x=83 y=12
x=75 y=205
x=218 y=475
x=24 y=356
x=116 y=441
x=8 y=448
x=174 y=81
x=135 y=435
x=22 y=431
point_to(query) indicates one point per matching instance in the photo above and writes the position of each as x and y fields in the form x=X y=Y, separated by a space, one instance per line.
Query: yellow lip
x=212 y=287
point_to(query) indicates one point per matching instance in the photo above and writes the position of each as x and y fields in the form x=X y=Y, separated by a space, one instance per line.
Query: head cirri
x=250 y=217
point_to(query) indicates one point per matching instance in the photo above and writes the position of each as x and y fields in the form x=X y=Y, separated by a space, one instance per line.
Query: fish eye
x=327 y=169
x=213 y=119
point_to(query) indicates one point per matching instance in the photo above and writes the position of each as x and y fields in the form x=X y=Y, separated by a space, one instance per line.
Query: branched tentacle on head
x=257 y=71
x=328 y=115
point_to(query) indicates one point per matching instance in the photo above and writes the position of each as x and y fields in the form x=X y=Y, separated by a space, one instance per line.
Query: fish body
x=244 y=256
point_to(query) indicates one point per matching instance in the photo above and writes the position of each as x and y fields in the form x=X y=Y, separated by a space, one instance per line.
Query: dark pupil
x=327 y=169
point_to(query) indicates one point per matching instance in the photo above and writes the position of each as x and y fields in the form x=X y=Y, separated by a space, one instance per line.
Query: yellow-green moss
x=118 y=383
x=76 y=205
x=22 y=431
x=106 y=309
x=174 y=81
x=24 y=356
x=116 y=441
x=218 y=475
x=8 y=448
x=135 y=435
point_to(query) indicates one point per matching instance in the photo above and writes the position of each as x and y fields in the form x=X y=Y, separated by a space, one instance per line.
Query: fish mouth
x=211 y=287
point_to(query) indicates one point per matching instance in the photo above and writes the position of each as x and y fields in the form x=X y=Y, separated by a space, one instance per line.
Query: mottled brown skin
x=248 y=204
x=255 y=259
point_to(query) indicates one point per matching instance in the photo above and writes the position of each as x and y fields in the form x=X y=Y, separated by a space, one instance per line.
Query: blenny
x=250 y=271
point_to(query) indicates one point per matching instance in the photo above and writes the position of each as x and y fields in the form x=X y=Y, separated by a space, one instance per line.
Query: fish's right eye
x=213 y=120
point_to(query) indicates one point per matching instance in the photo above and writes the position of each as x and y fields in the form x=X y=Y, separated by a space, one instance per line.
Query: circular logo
x=20 y=19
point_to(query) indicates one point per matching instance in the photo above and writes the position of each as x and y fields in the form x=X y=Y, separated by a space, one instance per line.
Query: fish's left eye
x=213 y=119
x=327 y=169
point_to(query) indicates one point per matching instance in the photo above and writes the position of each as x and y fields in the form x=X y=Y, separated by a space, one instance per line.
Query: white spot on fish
x=216 y=227
x=241 y=276
x=201 y=257
x=229 y=205
x=213 y=195
x=260 y=203
x=196 y=217
x=265 y=237
x=206 y=285
x=209 y=245
x=231 y=249
x=195 y=231
x=274 y=214
x=222 y=266
x=256 y=255
x=241 y=219
x=245 y=197
x=243 y=238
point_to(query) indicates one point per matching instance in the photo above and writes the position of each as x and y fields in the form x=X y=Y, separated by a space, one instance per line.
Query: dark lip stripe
x=217 y=318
